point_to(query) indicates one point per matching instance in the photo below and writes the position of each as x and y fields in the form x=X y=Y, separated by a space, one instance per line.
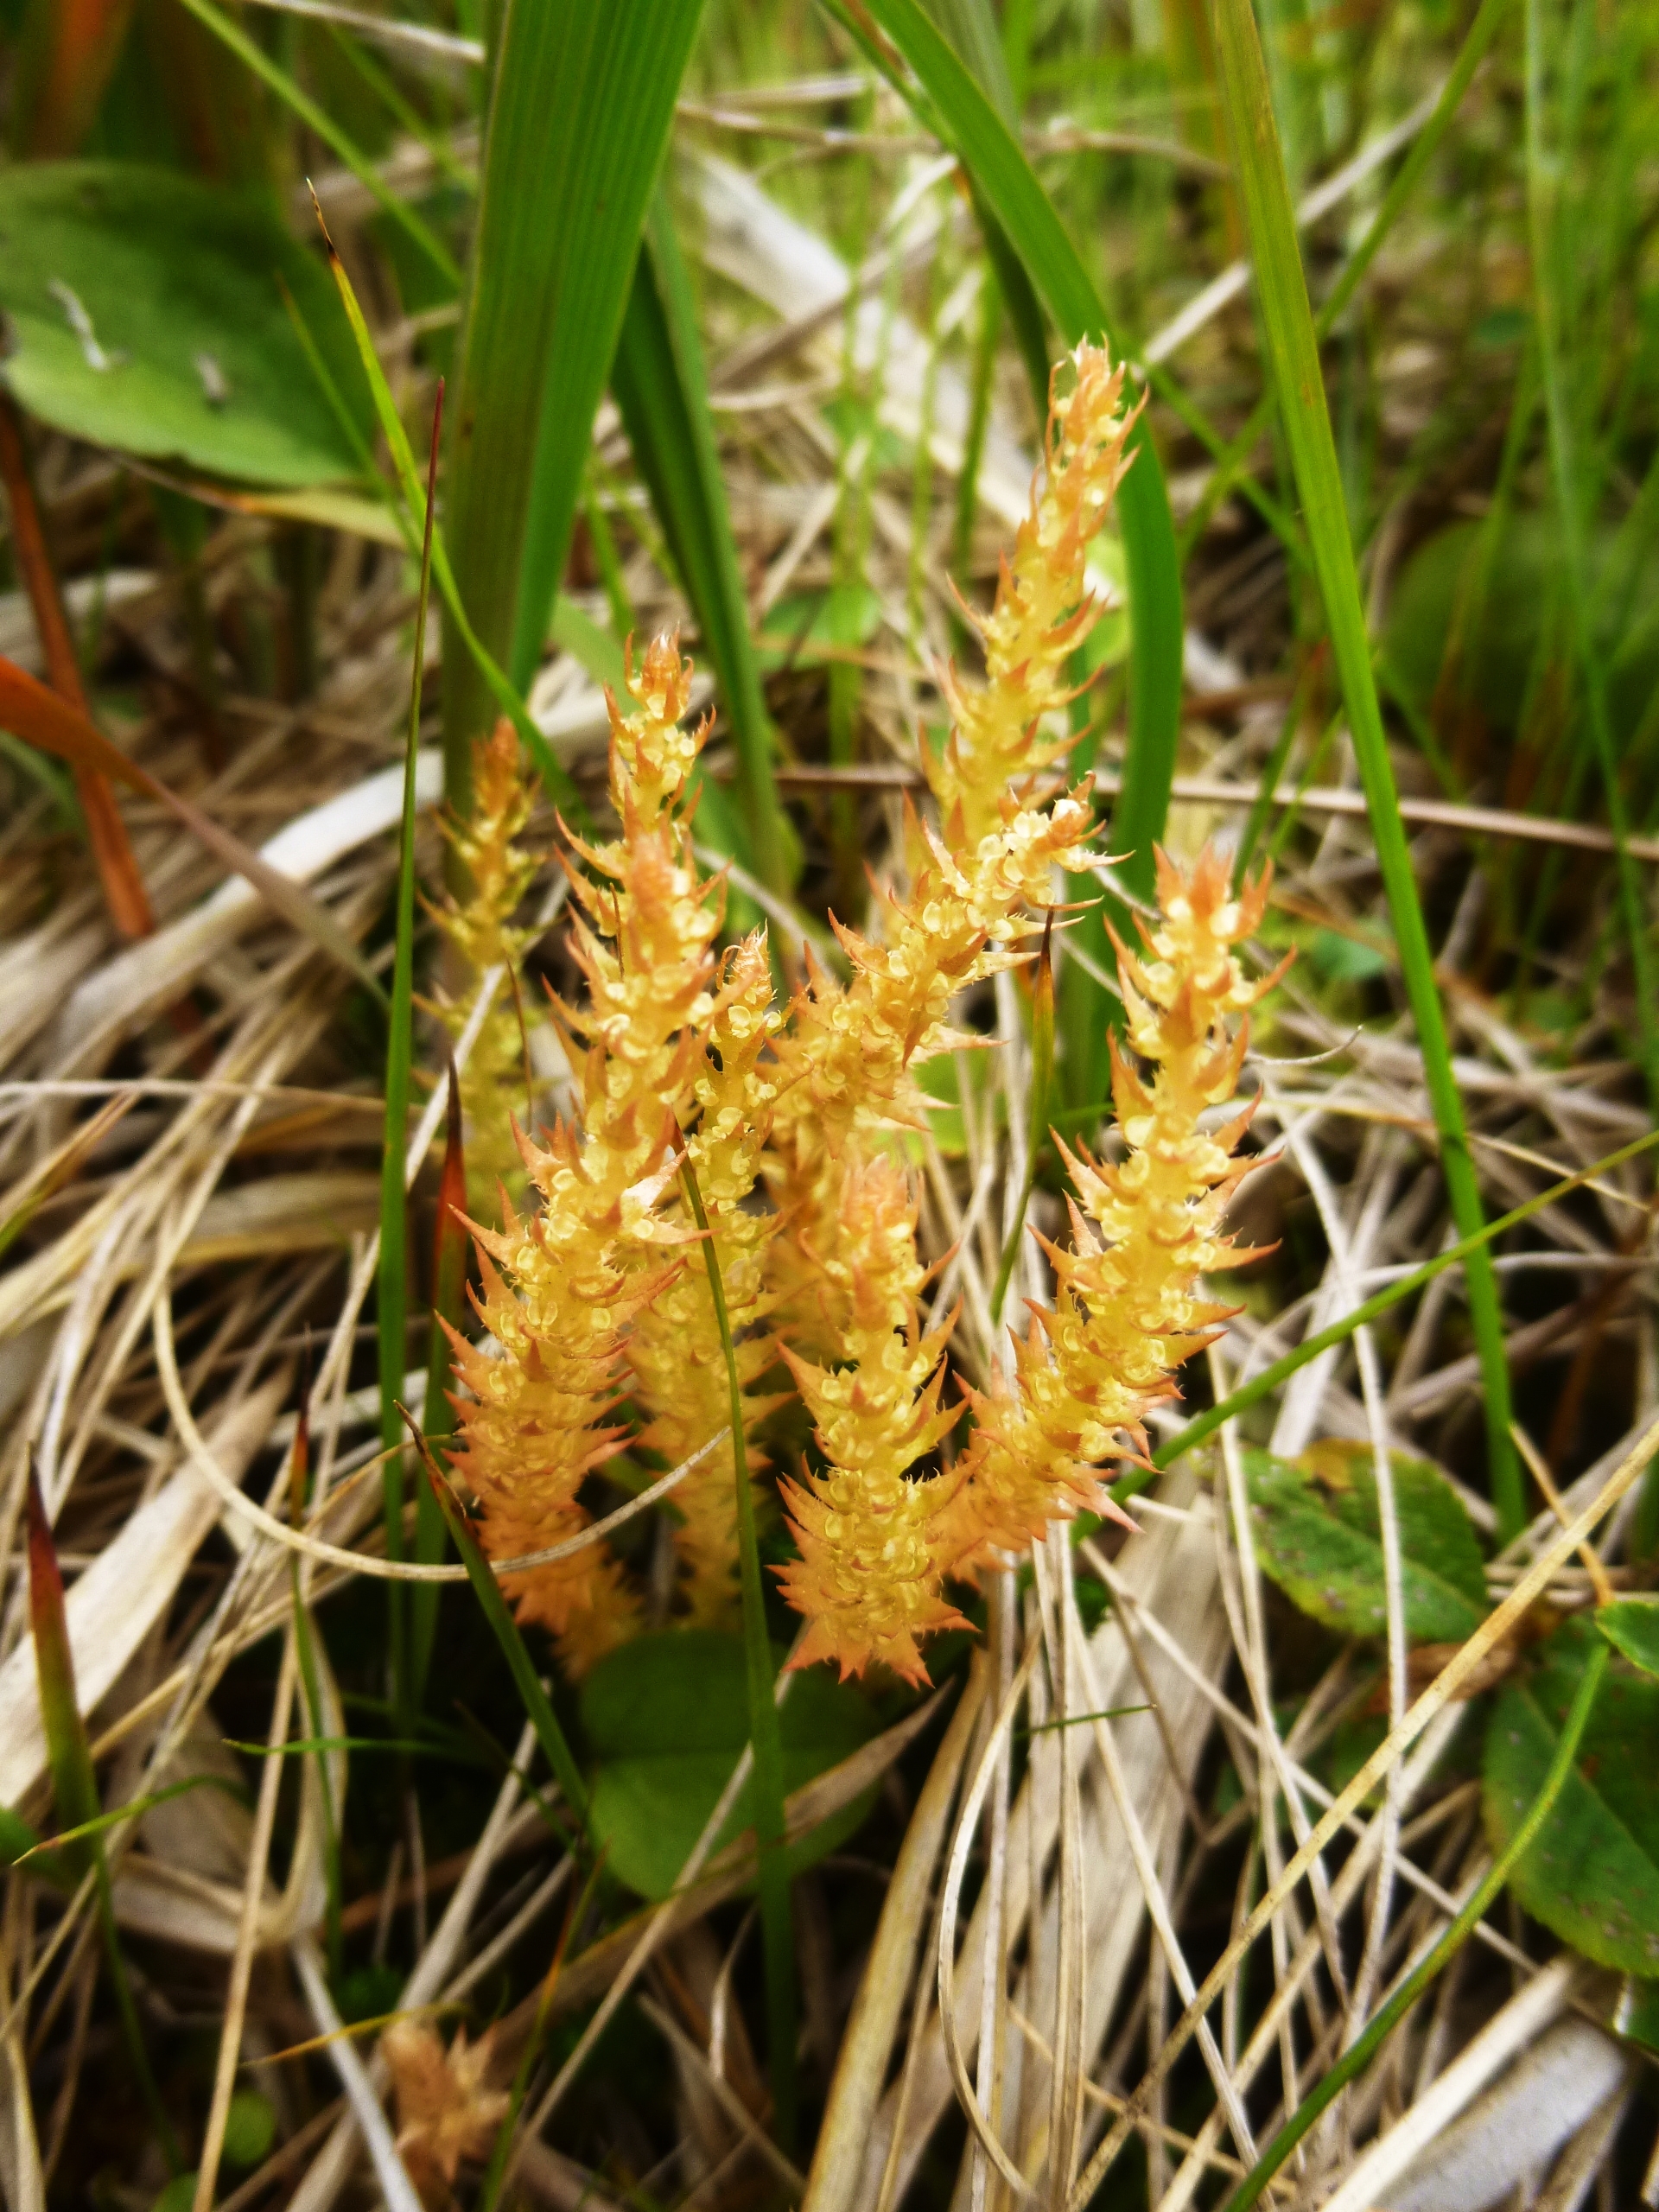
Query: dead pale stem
x=1441 y=1691
x=236 y=2000
x=860 y=2063
x=1246 y=1730
x=1336 y=1236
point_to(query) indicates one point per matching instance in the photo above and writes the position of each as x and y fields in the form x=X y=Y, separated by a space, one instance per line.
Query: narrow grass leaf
x=1542 y=169
x=765 y=1734
x=1292 y=347
x=37 y=715
x=581 y=102
x=449 y=1249
x=317 y=119
x=1264 y=1384
x=310 y=1671
x=479 y=1572
x=413 y=520
x=74 y=1785
x=660 y=386
x=392 y=1307
x=1359 y=2054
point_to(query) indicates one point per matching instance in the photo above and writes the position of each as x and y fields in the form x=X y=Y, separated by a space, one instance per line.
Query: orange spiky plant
x=561 y=1285
x=1130 y=1307
x=497 y=871
x=595 y=1294
x=589 y=1294
x=875 y=1546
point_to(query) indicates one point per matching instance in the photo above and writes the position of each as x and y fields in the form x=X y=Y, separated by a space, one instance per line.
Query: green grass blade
x=391 y=1312
x=411 y=519
x=659 y=384
x=971 y=27
x=311 y=1672
x=1264 y=1384
x=581 y=105
x=1404 y=183
x=1288 y=324
x=328 y=131
x=1004 y=178
x=450 y=1248
x=1359 y=2054
x=74 y=1787
x=551 y=1738
x=765 y=1737
x=1542 y=172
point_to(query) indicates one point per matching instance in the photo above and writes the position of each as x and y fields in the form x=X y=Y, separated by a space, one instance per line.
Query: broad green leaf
x=1631 y=1626
x=1318 y=1535
x=1286 y=323
x=1004 y=182
x=146 y=315
x=666 y=1718
x=659 y=384
x=1593 y=1876
x=582 y=100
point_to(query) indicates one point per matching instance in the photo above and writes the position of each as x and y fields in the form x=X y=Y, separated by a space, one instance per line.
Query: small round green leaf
x=1318 y=1535
x=145 y=312
x=666 y=1717
x=250 y=2129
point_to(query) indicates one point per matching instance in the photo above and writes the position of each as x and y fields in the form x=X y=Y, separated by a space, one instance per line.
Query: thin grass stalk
x=1575 y=564
x=661 y=387
x=1499 y=1623
x=437 y=1415
x=495 y=2173
x=776 y=1931
x=74 y=1789
x=315 y=118
x=1359 y=2054
x=1263 y=1385
x=390 y=1306
x=254 y=1883
x=1288 y=325
x=411 y=518
x=479 y=1572
x=1472 y=52
x=310 y=1674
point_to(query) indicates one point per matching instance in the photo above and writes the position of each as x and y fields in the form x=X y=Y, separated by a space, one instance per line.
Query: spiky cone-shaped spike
x=871 y=1567
x=1043 y=610
x=1129 y=1306
x=874 y=1548
x=675 y=1348
x=844 y=1068
x=498 y=872
x=844 y=1065
x=563 y=1284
